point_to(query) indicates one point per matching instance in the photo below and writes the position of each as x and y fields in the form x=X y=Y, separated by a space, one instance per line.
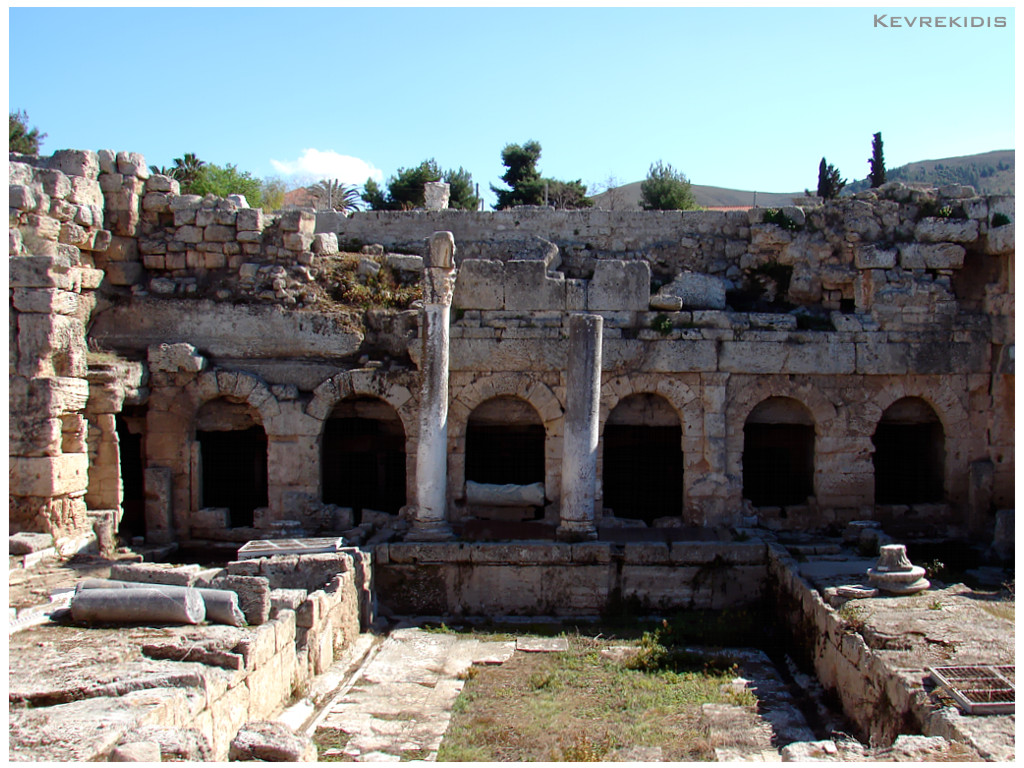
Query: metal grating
x=271 y=547
x=980 y=690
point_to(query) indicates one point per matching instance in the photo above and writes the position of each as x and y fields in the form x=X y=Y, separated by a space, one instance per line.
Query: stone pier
x=582 y=407
x=429 y=523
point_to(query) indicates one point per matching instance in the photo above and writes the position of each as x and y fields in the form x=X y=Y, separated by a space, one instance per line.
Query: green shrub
x=1000 y=219
x=775 y=216
x=662 y=324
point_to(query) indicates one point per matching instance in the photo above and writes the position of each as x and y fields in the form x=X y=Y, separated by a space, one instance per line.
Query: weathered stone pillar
x=579 y=446
x=429 y=522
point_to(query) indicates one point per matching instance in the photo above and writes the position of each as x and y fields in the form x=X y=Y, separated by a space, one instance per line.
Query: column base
x=573 y=532
x=433 y=530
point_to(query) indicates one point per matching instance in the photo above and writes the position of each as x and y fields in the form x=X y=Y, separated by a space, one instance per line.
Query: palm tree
x=332 y=195
x=187 y=170
x=161 y=170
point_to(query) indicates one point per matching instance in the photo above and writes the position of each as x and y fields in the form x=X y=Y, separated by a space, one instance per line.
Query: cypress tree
x=877 y=161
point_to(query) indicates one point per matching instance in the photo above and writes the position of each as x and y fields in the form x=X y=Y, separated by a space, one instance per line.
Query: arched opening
x=363 y=457
x=909 y=454
x=643 y=459
x=129 y=426
x=505 y=443
x=778 y=453
x=233 y=459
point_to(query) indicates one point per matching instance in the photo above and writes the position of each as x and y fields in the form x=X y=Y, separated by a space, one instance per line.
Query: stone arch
x=641 y=451
x=230 y=457
x=363 y=456
x=683 y=399
x=950 y=411
x=518 y=385
x=909 y=455
x=234 y=386
x=779 y=453
x=370 y=383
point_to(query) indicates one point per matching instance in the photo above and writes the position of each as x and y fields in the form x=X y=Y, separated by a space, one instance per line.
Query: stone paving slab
x=542 y=644
x=401 y=705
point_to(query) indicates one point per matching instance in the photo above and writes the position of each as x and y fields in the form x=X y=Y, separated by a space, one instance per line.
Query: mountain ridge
x=988 y=172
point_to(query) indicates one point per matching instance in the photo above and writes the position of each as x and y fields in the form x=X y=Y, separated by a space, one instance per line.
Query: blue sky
x=748 y=98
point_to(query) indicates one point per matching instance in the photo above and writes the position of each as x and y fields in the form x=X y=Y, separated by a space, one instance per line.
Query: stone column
x=579 y=446
x=429 y=522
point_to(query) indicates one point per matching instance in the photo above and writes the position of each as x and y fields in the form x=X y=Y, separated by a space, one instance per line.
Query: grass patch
x=329 y=746
x=582 y=705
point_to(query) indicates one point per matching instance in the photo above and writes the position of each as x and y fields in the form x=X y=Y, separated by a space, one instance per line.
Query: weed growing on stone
x=662 y=324
x=1000 y=219
x=775 y=216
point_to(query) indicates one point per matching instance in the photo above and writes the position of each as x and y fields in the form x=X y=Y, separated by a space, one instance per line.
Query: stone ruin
x=538 y=412
x=175 y=374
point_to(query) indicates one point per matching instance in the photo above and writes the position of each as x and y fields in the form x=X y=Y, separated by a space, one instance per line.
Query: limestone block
x=528 y=286
x=936 y=230
x=436 y=195
x=124 y=273
x=45 y=476
x=788 y=357
x=132 y=164
x=695 y=291
x=33 y=436
x=51 y=345
x=298 y=241
x=1000 y=240
x=249 y=236
x=480 y=285
x=73 y=234
x=298 y=221
x=175 y=357
x=53 y=182
x=325 y=243
x=253 y=595
x=160 y=183
x=404 y=262
x=100 y=242
x=218 y=233
x=189 y=234
x=45 y=300
x=85 y=192
x=39 y=272
x=49 y=397
x=620 y=285
x=158 y=202
x=872 y=257
x=21 y=197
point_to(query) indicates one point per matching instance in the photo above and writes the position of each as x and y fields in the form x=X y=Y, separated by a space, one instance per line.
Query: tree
x=461 y=192
x=22 y=138
x=405 y=189
x=332 y=195
x=567 y=194
x=877 y=162
x=526 y=187
x=829 y=183
x=228 y=180
x=274 y=188
x=187 y=170
x=374 y=196
x=666 y=189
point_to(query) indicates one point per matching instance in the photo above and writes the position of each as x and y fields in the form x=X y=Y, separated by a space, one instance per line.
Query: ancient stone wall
x=567 y=580
x=845 y=310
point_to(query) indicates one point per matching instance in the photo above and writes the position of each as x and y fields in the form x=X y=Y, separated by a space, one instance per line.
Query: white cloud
x=315 y=164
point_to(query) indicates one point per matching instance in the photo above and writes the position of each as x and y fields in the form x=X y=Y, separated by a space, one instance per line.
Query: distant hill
x=990 y=173
x=627 y=197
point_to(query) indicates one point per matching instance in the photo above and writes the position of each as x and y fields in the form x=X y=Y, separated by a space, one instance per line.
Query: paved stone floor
x=400 y=705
